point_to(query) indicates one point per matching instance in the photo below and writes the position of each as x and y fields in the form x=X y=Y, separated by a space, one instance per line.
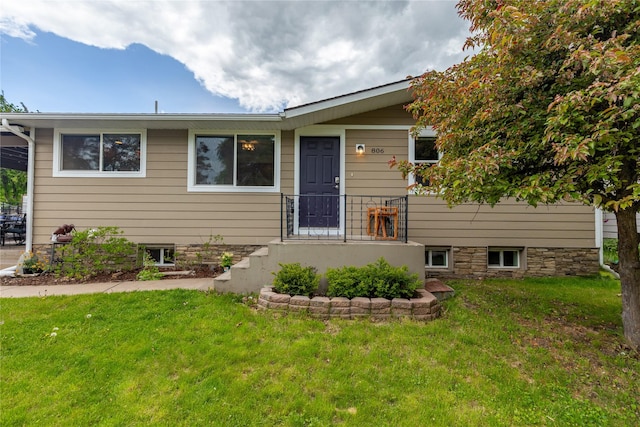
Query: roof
x=13 y=150
x=291 y=118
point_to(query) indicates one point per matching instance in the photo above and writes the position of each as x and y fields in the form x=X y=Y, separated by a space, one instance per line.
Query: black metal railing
x=343 y=217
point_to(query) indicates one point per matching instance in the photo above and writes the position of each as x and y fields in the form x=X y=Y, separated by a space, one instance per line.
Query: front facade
x=174 y=181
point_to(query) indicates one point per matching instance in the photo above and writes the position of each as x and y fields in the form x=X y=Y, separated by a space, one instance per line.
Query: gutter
x=5 y=126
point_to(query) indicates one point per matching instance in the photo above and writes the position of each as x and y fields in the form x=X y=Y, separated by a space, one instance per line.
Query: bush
x=377 y=280
x=293 y=279
x=94 y=251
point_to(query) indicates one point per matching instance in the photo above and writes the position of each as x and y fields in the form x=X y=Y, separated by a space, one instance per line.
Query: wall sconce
x=360 y=149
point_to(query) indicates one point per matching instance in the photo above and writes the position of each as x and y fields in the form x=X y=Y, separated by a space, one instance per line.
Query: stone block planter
x=423 y=307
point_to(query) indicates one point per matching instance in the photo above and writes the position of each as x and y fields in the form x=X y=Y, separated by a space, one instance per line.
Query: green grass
x=533 y=352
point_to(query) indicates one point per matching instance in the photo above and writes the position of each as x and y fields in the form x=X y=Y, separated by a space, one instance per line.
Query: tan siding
x=507 y=224
x=158 y=208
x=394 y=115
x=430 y=220
x=370 y=173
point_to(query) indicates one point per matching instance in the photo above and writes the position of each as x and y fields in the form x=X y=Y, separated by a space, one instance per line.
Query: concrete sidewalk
x=201 y=284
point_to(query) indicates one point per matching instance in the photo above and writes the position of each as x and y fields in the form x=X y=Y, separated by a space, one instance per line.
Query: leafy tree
x=546 y=110
x=14 y=183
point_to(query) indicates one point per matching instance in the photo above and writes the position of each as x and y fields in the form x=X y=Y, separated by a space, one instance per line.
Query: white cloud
x=267 y=54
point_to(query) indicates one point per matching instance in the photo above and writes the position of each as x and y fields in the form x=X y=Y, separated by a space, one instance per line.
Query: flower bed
x=423 y=307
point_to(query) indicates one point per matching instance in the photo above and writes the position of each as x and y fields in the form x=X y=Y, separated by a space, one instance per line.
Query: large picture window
x=99 y=153
x=233 y=162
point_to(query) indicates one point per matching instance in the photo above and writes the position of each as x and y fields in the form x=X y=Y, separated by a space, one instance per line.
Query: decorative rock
x=279 y=298
x=277 y=305
x=400 y=307
x=300 y=301
x=424 y=307
x=341 y=307
x=320 y=302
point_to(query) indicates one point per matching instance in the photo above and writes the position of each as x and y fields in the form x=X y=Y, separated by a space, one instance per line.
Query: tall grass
x=533 y=352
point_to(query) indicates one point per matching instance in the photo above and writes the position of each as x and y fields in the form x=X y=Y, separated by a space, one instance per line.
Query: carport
x=17 y=148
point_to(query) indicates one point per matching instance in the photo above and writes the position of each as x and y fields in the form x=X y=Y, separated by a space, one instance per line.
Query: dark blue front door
x=319 y=181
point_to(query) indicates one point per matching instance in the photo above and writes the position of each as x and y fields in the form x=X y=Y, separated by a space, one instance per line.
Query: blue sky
x=54 y=74
x=199 y=56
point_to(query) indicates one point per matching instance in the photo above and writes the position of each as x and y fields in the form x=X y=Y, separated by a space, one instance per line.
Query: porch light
x=360 y=148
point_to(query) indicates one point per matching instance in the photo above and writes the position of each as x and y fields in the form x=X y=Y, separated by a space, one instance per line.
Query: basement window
x=436 y=257
x=163 y=255
x=504 y=257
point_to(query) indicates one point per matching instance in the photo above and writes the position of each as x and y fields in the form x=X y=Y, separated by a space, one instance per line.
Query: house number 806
x=377 y=150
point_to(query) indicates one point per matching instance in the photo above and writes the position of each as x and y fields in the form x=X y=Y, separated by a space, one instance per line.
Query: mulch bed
x=48 y=279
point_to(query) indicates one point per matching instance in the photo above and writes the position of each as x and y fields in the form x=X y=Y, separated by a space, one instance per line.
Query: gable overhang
x=348 y=105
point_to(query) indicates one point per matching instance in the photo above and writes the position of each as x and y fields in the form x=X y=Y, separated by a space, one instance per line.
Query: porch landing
x=256 y=271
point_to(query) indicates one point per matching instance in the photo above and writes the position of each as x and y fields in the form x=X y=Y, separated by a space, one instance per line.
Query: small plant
x=150 y=270
x=376 y=280
x=33 y=263
x=293 y=279
x=226 y=259
x=208 y=248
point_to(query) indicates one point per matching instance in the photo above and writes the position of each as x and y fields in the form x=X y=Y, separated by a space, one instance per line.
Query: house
x=307 y=175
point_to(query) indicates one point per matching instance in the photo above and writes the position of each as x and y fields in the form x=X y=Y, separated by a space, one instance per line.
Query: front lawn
x=533 y=352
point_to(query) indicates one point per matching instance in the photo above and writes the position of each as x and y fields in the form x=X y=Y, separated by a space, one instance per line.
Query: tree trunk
x=629 y=259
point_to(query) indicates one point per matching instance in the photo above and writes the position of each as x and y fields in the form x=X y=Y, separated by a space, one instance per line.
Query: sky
x=121 y=56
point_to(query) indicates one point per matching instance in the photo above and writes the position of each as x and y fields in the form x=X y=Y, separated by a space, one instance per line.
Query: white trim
x=599 y=218
x=428 y=263
x=426 y=132
x=57 y=170
x=321 y=130
x=192 y=187
x=502 y=250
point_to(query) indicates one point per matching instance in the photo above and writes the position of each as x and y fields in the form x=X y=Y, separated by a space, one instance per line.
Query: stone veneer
x=424 y=307
x=211 y=253
x=471 y=262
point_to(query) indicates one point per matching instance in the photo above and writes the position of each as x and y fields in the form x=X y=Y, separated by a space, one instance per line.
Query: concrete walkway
x=202 y=284
x=10 y=254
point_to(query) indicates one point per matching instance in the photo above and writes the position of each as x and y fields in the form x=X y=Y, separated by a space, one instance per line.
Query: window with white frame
x=228 y=161
x=422 y=150
x=95 y=153
x=436 y=257
x=163 y=255
x=503 y=257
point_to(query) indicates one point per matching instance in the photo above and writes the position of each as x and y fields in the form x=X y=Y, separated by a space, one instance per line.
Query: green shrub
x=293 y=279
x=377 y=280
x=94 y=251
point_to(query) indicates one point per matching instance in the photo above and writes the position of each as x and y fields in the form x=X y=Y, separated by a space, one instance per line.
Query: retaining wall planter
x=423 y=307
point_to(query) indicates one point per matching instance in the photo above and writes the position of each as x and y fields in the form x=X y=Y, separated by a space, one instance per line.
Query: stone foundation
x=471 y=262
x=210 y=254
x=424 y=307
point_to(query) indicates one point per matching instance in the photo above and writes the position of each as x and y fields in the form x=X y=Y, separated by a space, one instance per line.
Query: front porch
x=344 y=217
x=255 y=271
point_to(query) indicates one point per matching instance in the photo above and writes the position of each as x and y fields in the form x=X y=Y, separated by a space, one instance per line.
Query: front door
x=319 y=181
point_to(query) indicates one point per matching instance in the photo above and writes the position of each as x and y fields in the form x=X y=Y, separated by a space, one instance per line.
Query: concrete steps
x=246 y=276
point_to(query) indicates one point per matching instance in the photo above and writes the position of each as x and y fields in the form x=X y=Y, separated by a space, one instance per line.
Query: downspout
x=600 y=242
x=30 y=176
x=600 y=235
